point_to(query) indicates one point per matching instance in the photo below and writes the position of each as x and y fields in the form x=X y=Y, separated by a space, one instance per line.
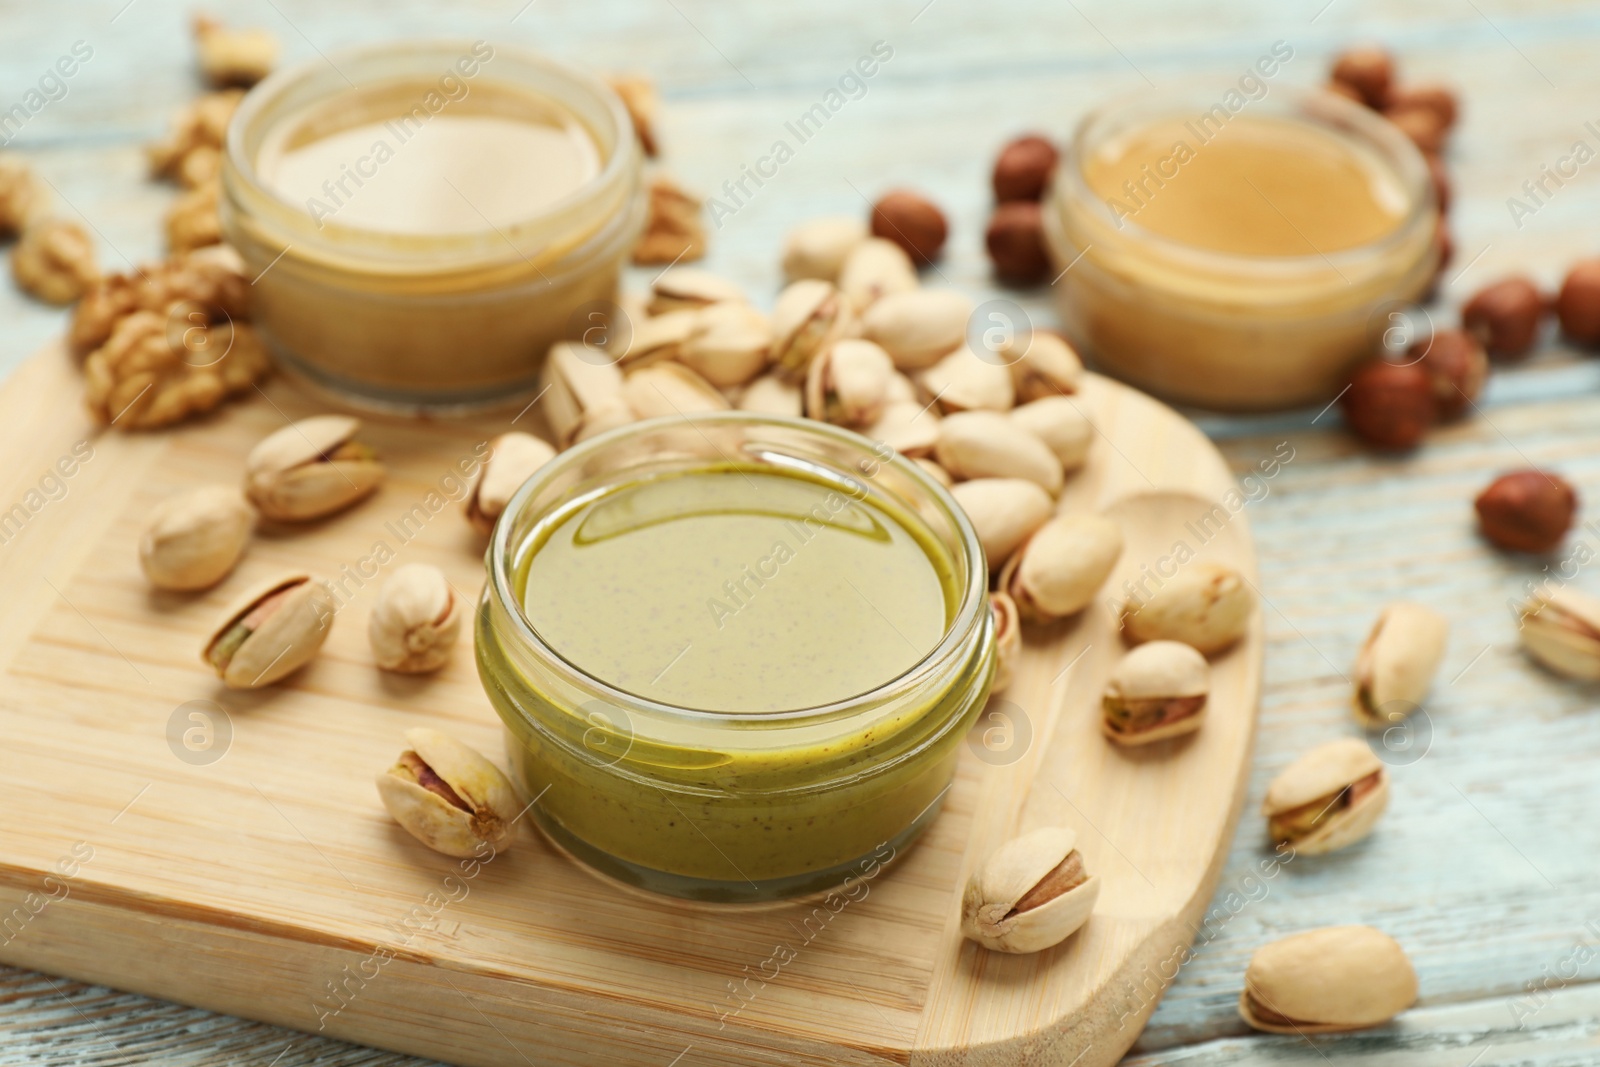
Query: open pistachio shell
x=1004 y=512
x=918 y=326
x=667 y=389
x=1031 y=894
x=1158 y=690
x=1061 y=424
x=728 y=345
x=415 y=621
x=657 y=338
x=1045 y=366
x=1327 y=980
x=1205 y=605
x=1062 y=566
x=1561 y=630
x=271 y=632
x=874 y=269
x=1397 y=662
x=809 y=316
x=1007 y=637
x=689 y=288
x=986 y=444
x=848 y=383
x=1328 y=798
x=194 y=539
x=771 y=395
x=819 y=247
x=513 y=457
x=582 y=392
x=310 y=469
x=448 y=796
x=962 y=382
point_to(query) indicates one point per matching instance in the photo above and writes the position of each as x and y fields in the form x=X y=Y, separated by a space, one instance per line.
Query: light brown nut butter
x=194 y=539
x=1158 y=690
x=1004 y=512
x=1561 y=630
x=449 y=797
x=848 y=383
x=310 y=469
x=1062 y=566
x=271 y=632
x=1397 y=662
x=986 y=444
x=1205 y=605
x=1328 y=980
x=1328 y=798
x=415 y=621
x=1031 y=894
x=1061 y=424
x=513 y=458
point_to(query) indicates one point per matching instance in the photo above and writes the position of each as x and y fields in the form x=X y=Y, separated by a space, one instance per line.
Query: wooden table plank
x=1458 y=870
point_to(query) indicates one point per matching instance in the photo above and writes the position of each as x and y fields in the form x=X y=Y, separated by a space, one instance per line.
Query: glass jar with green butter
x=736 y=655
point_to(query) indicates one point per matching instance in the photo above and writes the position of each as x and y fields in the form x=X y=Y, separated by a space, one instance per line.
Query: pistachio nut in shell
x=271 y=632
x=663 y=390
x=1007 y=637
x=1061 y=424
x=513 y=457
x=1561 y=630
x=728 y=345
x=310 y=469
x=415 y=620
x=963 y=382
x=819 y=247
x=1397 y=662
x=1328 y=798
x=874 y=269
x=448 y=796
x=1206 y=605
x=1043 y=364
x=848 y=383
x=689 y=288
x=910 y=428
x=986 y=444
x=651 y=340
x=1158 y=690
x=772 y=395
x=809 y=316
x=1004 y=512
x=918 y=326
x=1327 y=980
x=582 y=390
x=1031 y=894
x=194 y=539
x=1062 y=566
x=936 y=472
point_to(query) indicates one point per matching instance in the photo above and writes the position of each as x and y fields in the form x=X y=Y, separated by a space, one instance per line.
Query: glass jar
x=734 y=805
x=1227 y=330
x=410 y=321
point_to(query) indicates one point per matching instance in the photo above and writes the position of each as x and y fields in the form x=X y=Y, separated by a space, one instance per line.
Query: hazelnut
x=1439 y=99
x=1505 y=317
x=1578 y=305
x=1367 y=70
x=1441 y=180
x=913 y=222
x=1420 y=123
x=1023 y=168
x=1389 y=405
x=1457 y=365
x=1015 y=240
x=1527 y=510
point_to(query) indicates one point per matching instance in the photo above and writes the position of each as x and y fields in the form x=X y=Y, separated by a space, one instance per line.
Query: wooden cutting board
x=228 y=850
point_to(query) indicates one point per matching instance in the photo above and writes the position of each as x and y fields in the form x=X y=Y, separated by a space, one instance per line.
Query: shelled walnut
x=54 y=261
x=233 y=56
x=23 y=197
x=192 y=221
x=202 y=124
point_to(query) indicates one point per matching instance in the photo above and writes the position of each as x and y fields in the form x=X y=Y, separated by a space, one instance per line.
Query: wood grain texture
x=1340 y=533
x=269 y=882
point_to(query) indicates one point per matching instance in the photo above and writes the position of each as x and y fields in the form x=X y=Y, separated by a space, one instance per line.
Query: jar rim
x=969 y=613
x=1314 y=105
x=621 y=158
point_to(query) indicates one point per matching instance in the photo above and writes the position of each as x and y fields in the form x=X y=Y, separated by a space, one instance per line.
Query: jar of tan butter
x=423 y=219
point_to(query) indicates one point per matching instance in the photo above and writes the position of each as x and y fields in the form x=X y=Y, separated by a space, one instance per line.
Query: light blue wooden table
x=1487 y=866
